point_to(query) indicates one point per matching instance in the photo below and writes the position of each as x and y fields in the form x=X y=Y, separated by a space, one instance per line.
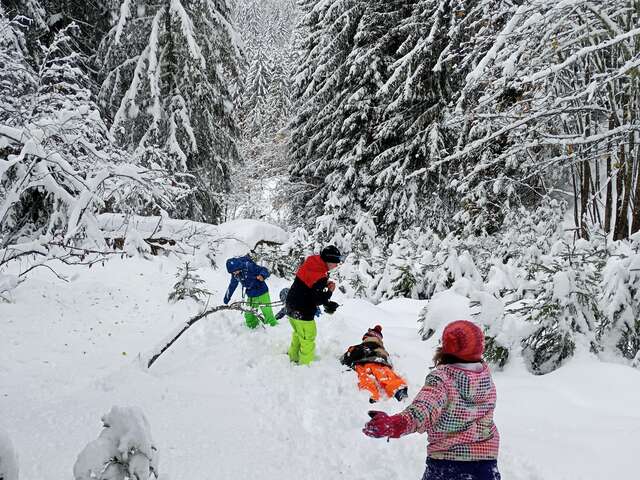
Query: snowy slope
x=225 y=403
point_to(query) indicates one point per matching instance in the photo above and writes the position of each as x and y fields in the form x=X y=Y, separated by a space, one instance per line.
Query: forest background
x=490 y=147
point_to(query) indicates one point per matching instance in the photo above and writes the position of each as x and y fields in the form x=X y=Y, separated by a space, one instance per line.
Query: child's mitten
x=383 y=425
x=330 y=307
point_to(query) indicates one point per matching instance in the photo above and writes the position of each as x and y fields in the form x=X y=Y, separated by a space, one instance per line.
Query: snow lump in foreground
x=124 y=449
x=8 y=458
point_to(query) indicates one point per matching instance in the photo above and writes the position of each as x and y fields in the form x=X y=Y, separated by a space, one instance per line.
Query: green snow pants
x=263 y=303
x=303 y=341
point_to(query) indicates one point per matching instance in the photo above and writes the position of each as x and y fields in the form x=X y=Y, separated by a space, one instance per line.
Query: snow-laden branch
x=583 y=52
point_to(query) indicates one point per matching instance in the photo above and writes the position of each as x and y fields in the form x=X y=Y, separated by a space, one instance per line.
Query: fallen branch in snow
x=239 y=306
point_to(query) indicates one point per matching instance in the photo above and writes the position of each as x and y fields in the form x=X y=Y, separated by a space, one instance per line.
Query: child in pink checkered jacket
x=455 y=408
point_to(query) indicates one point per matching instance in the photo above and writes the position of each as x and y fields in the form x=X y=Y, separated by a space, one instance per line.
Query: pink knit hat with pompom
x=463 y=339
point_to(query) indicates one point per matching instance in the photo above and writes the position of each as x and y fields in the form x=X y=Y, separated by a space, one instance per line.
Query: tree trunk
x=595 y=188
x=635 y=214
x=608 y=202
x=575 y=199
x=584 y=199
x=623 y=186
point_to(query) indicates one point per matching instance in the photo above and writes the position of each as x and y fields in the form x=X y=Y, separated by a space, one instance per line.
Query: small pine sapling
x=426 y=329
x=620 y=301
x=189 y=284
x=564 y=307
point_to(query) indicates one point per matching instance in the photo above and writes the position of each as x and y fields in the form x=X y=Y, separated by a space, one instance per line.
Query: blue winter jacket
x=247 y=277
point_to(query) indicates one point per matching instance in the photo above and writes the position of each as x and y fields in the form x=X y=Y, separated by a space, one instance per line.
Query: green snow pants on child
x=264 y=303
x=303 y=341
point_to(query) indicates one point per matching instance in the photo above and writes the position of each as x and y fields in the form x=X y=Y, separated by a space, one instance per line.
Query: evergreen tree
x=47 y=17
x=259 y=185
x=563 y=306
x=255 y=105
x=328 y=133
x=189 y=284
x=376 y=87
x=170 y=71
x=18 y=80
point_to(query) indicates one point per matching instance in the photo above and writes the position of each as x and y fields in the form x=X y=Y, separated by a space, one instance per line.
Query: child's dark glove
x=382 y=425
x=330 y=307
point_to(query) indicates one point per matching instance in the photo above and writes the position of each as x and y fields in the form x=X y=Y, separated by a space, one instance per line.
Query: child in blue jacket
x=243 y=270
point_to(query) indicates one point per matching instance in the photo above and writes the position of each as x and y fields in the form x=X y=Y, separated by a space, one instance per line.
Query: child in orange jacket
x=375 y=372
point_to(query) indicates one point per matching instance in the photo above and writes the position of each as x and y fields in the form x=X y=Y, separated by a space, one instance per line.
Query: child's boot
x=401 y=394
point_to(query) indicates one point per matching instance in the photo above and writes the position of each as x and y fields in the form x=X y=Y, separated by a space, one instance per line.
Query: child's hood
x=473 y=382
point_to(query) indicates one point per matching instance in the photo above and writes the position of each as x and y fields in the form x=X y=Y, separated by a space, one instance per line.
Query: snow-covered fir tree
x=331 y=131
x=260 y=183
x=564 y=307
x=170 y=74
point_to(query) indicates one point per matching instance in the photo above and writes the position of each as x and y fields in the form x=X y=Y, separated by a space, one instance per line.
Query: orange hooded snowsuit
x=371 y=362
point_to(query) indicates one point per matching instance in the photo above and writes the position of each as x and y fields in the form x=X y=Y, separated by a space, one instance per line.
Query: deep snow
x=225 y=403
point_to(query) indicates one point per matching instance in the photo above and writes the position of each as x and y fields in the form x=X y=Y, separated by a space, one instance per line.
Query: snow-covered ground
x=225 y=403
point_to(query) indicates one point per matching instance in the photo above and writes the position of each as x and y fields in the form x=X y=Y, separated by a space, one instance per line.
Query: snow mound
x=443 y=308
x=8 y=458
x=248 y=233
x=123 y=450
x=245 y=232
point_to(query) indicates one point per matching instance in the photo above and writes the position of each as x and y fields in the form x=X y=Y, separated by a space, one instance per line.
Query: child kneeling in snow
x=455 y=408
x=371 y=362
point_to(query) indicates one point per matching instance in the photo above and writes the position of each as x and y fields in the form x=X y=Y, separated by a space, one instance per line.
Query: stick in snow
x=240 y=306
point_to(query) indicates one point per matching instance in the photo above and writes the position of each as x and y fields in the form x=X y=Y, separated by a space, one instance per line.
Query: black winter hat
x=331 y=254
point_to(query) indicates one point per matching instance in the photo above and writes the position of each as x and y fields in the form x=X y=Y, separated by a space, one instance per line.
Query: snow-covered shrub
x=58 y=164
x=364 y=255
x=494 y=352
x=620 y=300
x=189 y=285
x=124 y=450
x=563 y=305
x=402 y=266
x=397 y=276
x=271 y=256
x=8 y=458
x=356 y=275
x=527 y=233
